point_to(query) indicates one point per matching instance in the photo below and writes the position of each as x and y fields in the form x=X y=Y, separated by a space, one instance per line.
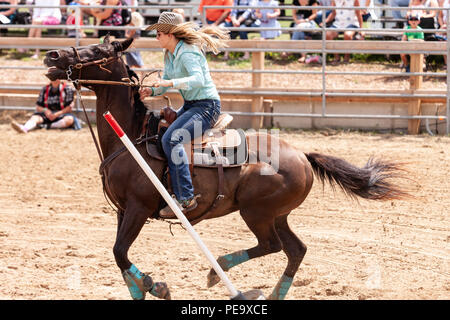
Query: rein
x=101 y=63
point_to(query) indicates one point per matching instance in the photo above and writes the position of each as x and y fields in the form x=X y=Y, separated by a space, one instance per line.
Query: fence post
x=414 y=107
x=257 y=82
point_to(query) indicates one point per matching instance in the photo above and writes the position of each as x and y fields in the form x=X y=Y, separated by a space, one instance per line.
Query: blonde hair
x=208 y=39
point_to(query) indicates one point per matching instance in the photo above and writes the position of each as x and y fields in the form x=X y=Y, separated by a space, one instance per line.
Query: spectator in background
x=180 y=11
x=133 y=58
x=216 y=17
x=344 y=18
x=242 y=18
x=304 y=18
x=72 y=21
x=397 y=14
x=44 y=16
x=53 y=109
x=365 y=12
x=268 y=17
x=428 y=16
x=7 y=15
x=109 y=17
x=413 y=24
x=442 y=20
x=323 y=3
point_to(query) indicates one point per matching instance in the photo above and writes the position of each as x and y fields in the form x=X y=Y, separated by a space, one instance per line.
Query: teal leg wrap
x=282 y=288
x=137 y=282
x=230 y=260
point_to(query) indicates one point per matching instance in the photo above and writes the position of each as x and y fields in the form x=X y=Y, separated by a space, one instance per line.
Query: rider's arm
x=192 y=64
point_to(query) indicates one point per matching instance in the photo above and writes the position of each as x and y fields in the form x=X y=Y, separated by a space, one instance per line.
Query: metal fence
x=324 y=51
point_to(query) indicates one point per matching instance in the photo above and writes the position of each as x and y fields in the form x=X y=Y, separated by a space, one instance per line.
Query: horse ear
x=126 y=43
x=106 y=39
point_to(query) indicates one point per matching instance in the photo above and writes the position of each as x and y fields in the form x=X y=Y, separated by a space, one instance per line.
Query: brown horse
x=264 y=200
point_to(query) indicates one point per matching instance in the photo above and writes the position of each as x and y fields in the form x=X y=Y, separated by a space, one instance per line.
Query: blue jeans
x=318 y=18
x=193 y=119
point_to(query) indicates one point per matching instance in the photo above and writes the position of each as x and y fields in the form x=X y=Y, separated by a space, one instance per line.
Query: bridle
x=101 y=63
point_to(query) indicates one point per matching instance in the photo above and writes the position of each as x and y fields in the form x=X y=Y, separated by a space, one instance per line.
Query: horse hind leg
x=130 y=224
x=268 y=242
x=295 y=250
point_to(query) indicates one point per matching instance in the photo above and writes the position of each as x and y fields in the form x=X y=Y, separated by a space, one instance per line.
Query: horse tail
x=373 y=181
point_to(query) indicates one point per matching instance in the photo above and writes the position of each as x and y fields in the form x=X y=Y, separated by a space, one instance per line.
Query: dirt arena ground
x=57 y=231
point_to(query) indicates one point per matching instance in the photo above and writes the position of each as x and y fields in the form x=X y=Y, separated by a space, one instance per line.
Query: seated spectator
x=344 y=18
x=268 y=18
x=7 y=15
x=53 y=109
x=44 y=16
x=427 y=15
x=304 y=18
x=133 y=57
x=108 y=17
x=398 y=14
x=365 y=12
x=442 y=20
x=216 y=17
x=71 y=21
x=413 y=24
x=180 y=11
x=242 y=18
x=323 y=3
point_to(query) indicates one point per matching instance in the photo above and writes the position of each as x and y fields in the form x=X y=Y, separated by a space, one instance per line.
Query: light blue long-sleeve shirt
x=188 y=69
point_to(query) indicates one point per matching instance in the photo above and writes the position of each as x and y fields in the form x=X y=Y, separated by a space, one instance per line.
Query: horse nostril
x=53 y=55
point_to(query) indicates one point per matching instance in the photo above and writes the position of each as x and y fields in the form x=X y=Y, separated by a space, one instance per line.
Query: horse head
x=88 y=62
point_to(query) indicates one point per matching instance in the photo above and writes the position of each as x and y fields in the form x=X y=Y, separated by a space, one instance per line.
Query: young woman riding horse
x=263 y=193
x=186 y=69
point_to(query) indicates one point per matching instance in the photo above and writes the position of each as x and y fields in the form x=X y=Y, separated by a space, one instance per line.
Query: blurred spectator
x=304 y=18
x=8 y=15
x=344 y=18
x=133 y=58
x=109 y=17
x=216 y=16
x=323 y=3
x=53 y=109
x=365 y=12
x=242 y=18
x=442 y=20
x=180 y=11
x=398 y=14
x=268 y=18
x=44 y=16
x=413 y=24
x=71 y=20
x=442 y=16
x=428 y=16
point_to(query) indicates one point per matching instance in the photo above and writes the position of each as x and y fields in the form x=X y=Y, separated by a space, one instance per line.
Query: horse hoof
x=213 y=278
x=160 y=290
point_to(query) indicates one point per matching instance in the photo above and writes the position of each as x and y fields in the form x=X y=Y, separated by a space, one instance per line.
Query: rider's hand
x=145 y=92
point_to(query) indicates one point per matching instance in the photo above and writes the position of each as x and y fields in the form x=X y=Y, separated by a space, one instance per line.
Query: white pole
x=159 y=186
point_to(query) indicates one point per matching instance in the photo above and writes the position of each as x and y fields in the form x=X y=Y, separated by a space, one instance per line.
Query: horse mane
x=138 y=105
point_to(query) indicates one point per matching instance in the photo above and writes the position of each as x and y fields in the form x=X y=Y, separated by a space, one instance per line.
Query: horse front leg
x=130 y=224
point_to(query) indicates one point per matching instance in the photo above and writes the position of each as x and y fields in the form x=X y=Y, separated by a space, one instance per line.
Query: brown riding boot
x=185 y=206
